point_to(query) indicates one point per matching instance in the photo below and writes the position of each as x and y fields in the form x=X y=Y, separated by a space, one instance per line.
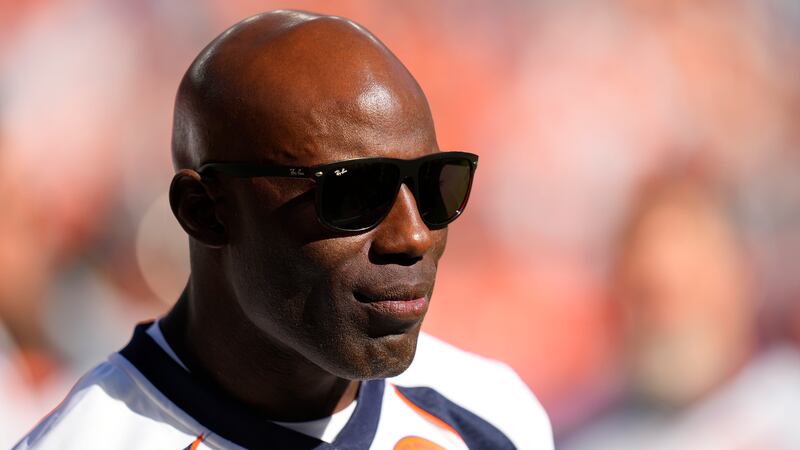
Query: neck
x=210 y=334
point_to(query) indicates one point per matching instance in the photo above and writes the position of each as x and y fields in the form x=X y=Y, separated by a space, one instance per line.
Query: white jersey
x=144 y=398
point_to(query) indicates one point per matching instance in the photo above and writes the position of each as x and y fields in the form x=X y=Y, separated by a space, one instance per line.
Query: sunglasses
x=356 y=195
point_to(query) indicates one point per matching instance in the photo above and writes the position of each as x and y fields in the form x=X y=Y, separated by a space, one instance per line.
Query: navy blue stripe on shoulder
x=230 y=419
x=477 y=433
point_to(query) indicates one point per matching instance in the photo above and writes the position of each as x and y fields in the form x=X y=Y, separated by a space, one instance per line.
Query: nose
x=402 y=237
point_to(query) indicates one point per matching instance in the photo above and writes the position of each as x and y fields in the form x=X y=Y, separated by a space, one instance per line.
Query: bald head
x=296 y=89
x=275 y=87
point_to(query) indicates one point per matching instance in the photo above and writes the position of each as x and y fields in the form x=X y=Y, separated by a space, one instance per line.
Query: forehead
x=308 y=102
x=315 y=125
x=374 y=123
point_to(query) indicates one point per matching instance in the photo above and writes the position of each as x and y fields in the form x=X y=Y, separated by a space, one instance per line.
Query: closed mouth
x=396 y=311
x=393 y=294
x=364 y=298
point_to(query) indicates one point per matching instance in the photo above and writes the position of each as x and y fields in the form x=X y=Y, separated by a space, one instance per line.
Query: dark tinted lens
x=358 y=196
x=443 y=188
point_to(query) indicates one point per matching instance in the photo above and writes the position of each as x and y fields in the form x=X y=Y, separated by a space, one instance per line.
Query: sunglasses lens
x=358 y=196
x=444 y=186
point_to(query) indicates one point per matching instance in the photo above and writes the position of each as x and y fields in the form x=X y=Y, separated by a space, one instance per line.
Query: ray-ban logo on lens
x=340 y=172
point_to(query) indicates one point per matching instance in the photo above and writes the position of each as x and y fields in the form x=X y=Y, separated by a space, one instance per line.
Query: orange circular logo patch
x=416 y=443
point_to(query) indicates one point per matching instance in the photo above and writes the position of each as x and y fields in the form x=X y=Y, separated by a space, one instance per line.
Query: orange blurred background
x=592 y=118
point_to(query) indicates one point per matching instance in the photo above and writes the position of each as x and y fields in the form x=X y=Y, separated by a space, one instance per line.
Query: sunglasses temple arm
x=246 y=170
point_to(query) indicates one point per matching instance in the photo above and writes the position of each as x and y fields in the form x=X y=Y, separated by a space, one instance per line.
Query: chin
x=395 y=353
x=382 y=357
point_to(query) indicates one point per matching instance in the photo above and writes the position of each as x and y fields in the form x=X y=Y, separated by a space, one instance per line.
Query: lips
x=404 y=303
x=403 y=310
x=390 y=295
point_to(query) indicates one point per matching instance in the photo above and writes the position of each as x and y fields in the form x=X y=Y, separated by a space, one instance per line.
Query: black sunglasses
x=356 y=195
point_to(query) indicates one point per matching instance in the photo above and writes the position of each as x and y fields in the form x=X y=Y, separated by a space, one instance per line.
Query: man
x=312 y=267
x=696 y=376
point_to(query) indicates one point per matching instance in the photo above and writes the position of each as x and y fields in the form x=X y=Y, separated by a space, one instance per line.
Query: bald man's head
x=296 y=89
x=274 y=76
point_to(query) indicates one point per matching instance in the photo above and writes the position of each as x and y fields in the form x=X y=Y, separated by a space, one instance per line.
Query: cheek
x=267 y=227
x=288 y=275
x=439 y=243
x=294 y=299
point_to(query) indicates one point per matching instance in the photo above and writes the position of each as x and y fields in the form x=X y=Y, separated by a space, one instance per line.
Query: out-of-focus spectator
x=695 y=378
x=31 y=376
x=685 y=291
x=64 y=115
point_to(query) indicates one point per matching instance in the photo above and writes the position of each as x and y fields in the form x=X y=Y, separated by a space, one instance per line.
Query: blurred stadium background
x=629 y=248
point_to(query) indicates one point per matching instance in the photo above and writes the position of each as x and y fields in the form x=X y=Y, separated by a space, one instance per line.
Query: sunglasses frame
x=408 y=168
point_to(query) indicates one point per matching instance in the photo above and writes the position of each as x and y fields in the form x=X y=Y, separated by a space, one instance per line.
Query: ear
x=196 y=209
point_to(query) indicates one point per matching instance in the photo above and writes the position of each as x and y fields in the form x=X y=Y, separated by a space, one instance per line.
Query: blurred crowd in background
x=629 y=247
